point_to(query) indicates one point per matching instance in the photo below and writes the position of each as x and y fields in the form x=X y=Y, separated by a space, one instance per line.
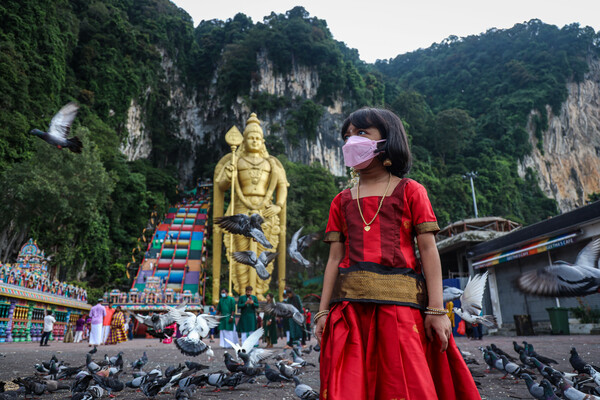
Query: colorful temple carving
x=27 y=290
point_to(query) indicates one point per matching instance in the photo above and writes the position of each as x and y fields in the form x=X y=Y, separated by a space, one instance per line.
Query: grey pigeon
x=535 y=389
x=563 y=279
x=259 y=264
x=284 y=310
x=217 y=380
x=274 y=376
x=548 y=391
x=59 y=130
x=140 y=362
x=299 y=244
x=451 y=293
x=248 y=226
x=304 y=391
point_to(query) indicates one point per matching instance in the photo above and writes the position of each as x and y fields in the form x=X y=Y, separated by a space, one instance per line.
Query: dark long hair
x=390 y=126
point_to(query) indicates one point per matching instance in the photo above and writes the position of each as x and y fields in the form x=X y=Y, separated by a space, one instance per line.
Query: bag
x=462 y=328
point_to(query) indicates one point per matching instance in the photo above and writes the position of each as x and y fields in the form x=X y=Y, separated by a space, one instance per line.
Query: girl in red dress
x=383 y=330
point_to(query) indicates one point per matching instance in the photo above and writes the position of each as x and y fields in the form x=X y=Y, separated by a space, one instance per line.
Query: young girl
x=386 y=334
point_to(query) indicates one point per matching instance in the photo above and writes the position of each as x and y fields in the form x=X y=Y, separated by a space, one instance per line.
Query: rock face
x=204 y=123
x=569 y=168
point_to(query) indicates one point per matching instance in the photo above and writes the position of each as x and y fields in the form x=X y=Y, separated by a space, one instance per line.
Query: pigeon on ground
x=577 y=362
x=286 y=370
x=304 y=391
x=593 y=373
x=109 y=384
x=284 y=310
x=185 y=393
x=548 y=391
x=274 y=376
x=501 y=352
x=92 y=366
x=563 y=279
x=81 y=384
x=259 y=264
x=471 y=302
x=94 y=350
x=232 y=365
x=137 y=382
x=300 y=361
x=194 y=327
x=535 y=389
x=194 y=366
x=140 y=362
x=532 y=353
x=242 y=224
x=570 y=393
x=216 y=380
x=59 y=130
x=518 y=348
x=117 y=361
x=299 y=244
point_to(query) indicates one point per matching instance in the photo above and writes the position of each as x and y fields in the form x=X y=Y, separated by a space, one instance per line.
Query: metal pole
x=473 y=192
x=233 y=180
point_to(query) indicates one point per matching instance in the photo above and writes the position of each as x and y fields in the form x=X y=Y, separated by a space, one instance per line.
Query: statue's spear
x=234 y=138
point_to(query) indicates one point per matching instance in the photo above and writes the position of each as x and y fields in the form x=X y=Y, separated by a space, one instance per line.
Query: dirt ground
x=19 y=358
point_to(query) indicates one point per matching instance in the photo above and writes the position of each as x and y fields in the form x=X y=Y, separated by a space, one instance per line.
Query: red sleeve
x=423 y=217
x=335 y=225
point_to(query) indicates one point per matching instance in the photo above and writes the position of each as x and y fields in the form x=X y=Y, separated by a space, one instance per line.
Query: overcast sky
x=382 y=29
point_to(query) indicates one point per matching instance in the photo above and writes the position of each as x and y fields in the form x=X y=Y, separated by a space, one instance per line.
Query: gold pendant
x=367 y=228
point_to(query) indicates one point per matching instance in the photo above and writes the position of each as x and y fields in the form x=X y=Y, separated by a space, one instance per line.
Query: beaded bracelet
x=436 y=310
x=320 y=314
x=434 y=313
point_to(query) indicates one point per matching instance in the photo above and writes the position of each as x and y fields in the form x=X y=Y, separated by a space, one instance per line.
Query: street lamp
x=472 y=175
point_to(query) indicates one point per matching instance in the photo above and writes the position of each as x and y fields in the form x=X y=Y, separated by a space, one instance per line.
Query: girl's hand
x=319 y=328
x=439 y=325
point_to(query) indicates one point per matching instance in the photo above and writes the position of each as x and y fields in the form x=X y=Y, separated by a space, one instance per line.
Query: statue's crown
x=253 y=125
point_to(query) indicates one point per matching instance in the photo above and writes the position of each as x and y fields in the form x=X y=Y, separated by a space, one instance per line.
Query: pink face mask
x=359 y=151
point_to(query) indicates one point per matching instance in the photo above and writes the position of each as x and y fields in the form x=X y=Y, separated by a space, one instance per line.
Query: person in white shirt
x=48 y=326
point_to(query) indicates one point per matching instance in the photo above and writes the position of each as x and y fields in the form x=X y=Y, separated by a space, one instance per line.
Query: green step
x=196 y=245
x=191 y=287
x=181 y=254
x=178 y=221
x=167 y=253
x=189 y=221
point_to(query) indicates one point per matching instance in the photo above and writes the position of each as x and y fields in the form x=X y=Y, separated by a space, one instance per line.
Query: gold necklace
x=368 y=226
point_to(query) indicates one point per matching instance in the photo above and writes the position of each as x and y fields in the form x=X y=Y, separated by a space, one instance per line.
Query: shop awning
x=529 y=249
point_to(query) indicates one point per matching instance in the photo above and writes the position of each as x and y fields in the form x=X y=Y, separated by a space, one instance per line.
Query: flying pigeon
x=195 y=327
x=251 y=355
x=242 y=224
x=562 y=279
x=451 y=293
x=259 y=264
x=299 y=244
x=284 y=310
x=59 y=130
x=471 y=300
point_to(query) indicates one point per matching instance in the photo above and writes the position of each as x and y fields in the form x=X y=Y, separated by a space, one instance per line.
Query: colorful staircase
x=175 y=253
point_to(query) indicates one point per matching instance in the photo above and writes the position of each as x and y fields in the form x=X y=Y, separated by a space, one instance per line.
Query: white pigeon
x=563 y=279
x=471 y=302
x=451 y=293
x=194 y=327
x=251 y=355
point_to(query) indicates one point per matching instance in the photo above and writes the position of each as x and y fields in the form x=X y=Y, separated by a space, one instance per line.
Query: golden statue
x=258 y=177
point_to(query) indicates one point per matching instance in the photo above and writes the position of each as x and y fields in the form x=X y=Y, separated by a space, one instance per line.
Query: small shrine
x=28 y=290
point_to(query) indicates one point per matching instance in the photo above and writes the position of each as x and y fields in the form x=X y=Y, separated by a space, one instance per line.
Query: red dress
x=374 y=344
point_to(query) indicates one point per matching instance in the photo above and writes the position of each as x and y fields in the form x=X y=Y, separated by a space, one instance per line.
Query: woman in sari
x=118 y=333
x=270 y=325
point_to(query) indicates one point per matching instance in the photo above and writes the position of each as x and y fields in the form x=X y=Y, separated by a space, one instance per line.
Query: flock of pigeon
x=96 y=379
x=581 y=384
x=250 y=227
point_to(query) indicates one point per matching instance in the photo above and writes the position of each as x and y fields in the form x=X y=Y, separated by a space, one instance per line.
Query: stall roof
x=552 y=226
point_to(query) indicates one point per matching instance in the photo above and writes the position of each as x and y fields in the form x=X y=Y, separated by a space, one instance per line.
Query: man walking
x=107 y=321
x=226 y=308
x=48 y=327
x=247 y=304
x=97 y=314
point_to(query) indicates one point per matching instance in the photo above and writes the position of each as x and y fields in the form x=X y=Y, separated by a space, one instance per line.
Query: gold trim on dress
x=425 y=227
x=334 y=237
x=384 y=288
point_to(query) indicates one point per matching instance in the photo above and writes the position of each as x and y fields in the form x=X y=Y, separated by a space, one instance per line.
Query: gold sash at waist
x=361 y=285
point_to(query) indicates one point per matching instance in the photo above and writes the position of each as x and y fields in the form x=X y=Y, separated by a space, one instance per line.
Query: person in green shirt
x=247 y=304
x=270 y=325
x=226 y=308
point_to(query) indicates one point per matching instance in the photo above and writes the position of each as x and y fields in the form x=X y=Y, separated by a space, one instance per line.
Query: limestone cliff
x=569 y=168
x=204 y=123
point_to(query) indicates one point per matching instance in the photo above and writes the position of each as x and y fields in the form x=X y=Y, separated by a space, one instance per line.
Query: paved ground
x=20 y=358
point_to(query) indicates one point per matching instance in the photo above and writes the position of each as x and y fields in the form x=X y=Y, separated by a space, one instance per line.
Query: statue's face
x=254 y=142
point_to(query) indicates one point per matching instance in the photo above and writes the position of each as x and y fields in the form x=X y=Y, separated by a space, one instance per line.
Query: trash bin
x=559 y=318
x=523 y=325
